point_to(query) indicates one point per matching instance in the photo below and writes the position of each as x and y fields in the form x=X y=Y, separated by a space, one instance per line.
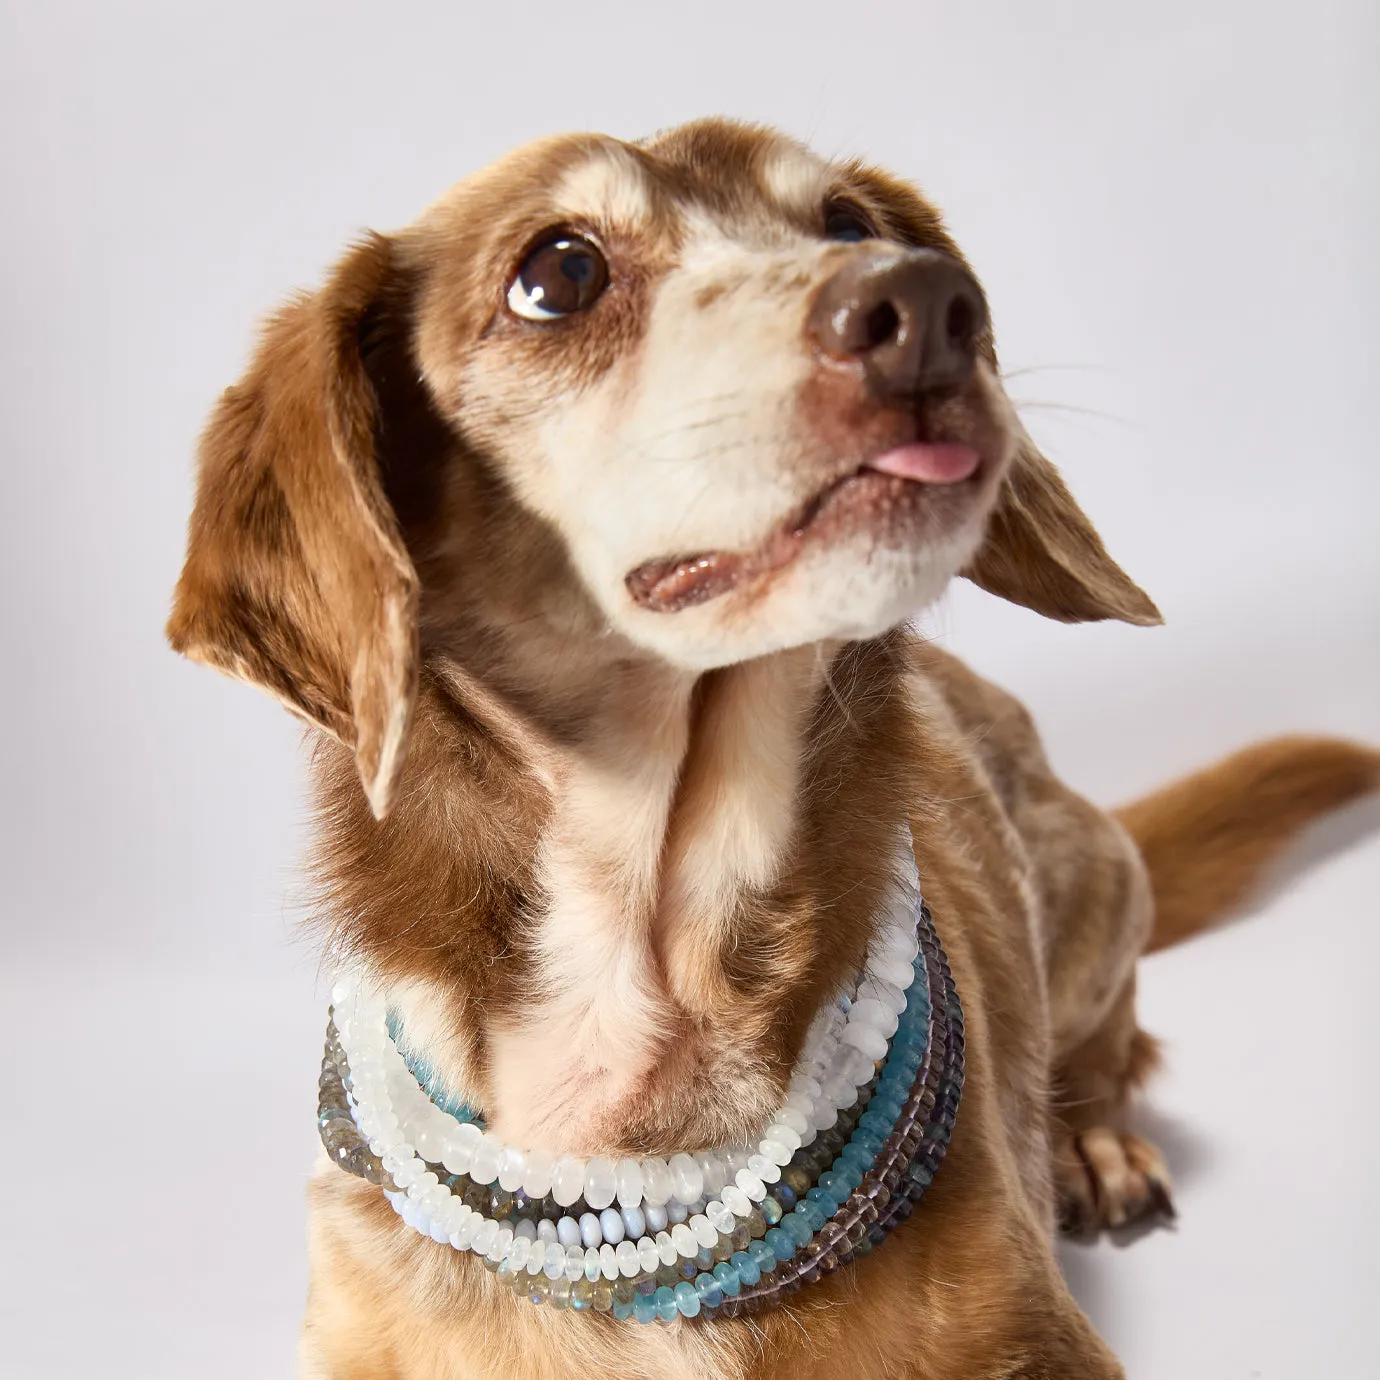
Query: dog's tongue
x=929 y=462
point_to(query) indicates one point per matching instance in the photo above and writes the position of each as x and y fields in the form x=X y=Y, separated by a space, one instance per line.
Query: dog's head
x=747 y=397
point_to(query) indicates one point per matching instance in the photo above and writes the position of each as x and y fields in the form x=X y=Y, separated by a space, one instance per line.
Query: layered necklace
x=721 y=1231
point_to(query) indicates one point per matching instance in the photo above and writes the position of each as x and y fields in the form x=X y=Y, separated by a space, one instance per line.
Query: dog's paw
x=1107 y=1179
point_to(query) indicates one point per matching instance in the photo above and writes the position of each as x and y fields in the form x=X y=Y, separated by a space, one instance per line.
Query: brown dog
x=581 y=518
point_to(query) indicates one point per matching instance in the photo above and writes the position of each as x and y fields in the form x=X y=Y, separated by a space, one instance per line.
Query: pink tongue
x=940 y=462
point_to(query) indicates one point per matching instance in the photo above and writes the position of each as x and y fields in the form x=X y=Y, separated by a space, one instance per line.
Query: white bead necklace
x=667 y=1208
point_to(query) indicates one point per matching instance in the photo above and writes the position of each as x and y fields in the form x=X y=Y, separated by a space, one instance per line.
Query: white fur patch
x=795 y=178
x=608 y=188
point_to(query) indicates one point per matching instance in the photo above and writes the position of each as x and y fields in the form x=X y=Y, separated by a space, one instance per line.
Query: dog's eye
x=557 y=278
x=845 y=224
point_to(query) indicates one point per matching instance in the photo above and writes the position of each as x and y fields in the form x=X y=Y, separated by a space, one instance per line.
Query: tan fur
x=1206 y=839
x=608 y=860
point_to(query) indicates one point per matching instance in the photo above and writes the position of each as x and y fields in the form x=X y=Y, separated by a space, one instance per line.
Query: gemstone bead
x=608 y=1262
x=559 y=1296
x=626 y=1258
x=711 y=1295
x=687 y=1179
x=512 y=1166
x=601 y=1296
x=629 y=1176
x=763 y=1255
x=484 y=1165
x=728 y=1279
x=592 y=1266
x=601 y=1183
x=536 y=1177
x=622 y=1311
x=644 y=1307
x=634 y=1222
x=656 y=1181
x=647 y=1254
x=687 y=1299
x=781 y=1243
x=746 y=1268
x=655 y=1213
x=611 y=1224
x=567 y=1180
x=666 y=1308
x=581 y=1295
x=569 y=1232
x=797 y=1228
x=684 y=1240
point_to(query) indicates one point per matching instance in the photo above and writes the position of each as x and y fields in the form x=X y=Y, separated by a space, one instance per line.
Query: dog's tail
x=1207 y=838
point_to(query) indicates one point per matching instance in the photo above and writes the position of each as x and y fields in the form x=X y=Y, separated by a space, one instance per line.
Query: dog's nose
x=912 y=322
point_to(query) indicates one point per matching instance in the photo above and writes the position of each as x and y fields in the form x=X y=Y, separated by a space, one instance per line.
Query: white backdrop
x=1174 y=209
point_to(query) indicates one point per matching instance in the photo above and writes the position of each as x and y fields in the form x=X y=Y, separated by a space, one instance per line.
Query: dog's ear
x=1041 y=551
x=296 y=578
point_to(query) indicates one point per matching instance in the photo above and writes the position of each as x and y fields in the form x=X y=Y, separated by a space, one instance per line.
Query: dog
x=581 y=521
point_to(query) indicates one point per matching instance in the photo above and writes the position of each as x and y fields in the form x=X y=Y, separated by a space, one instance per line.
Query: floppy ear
x=297 y=579
x=1041 y=551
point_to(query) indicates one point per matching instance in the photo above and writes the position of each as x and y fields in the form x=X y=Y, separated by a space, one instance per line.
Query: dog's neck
x=600 y=899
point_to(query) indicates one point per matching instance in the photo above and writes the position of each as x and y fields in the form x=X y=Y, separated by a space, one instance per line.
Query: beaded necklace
x=868 y=1116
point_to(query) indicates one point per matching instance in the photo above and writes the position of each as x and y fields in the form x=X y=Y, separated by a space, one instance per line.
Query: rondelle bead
x=627 y=1259
x=601 y=1183
x=647 y=1255
x=720 y=1218
x=547 y=1230
x=711 y=1295
x=666 y=1248
x=629 y=1175
x=567 y=1180
x=751 y=1185
x=766 y=1170
x=608 y=1262
x=575 y=1265
x=610 y=1226
x=666 y=1308
x=713 y=1170
x=484 y=1165
x=559 y=1296
x=538 y=1288
x=500 y=1204
x=553 y=1266
x=644 y=1308
x=687 y=1179
x=705 y=1234
x=763 y=1254
x=684 y=1240
x=782 y=1244
x=569 y=1232
x=457 y=1152
x=676 y=1211
x=728 y=1279
x=536 y=1176
x=735 y=1200
x=746 y=1268
x=634 y=1222
x=687 y=1299
x=593 y=1269
x=602 y=1296
x=655 y=1213
x=512 y=1165
x=591 y=1231
x=582 y=1295
x=656 y=1181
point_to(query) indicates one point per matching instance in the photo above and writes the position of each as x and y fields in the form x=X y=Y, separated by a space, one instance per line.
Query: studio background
x=1174 y=209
